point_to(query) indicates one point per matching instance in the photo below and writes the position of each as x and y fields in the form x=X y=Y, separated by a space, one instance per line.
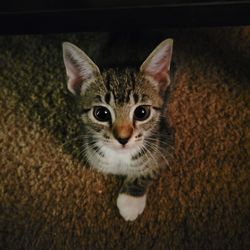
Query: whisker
x=152 y=157
x=162 y=149
x=168 y=145
x=155 y=148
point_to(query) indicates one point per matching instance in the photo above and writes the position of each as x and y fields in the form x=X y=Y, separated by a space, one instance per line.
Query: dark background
x=18 y=17
x=30 y=5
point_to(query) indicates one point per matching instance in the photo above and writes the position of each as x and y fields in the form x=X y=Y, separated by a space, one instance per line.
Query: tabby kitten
x=123 y=117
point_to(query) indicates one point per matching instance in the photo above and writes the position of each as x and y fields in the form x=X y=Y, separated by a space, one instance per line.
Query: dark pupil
x=141 y=113
x=102 y=114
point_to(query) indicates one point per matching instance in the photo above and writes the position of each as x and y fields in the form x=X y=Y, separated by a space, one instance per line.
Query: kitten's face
x=120 y=109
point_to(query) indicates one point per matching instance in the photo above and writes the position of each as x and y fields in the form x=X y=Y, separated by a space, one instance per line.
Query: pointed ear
x=157 y=65
x=80 y=68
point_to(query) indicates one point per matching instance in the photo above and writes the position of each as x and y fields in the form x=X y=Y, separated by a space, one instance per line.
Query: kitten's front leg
x=132 y=197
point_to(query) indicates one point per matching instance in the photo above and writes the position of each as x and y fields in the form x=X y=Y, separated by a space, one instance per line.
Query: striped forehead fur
x=122 y=86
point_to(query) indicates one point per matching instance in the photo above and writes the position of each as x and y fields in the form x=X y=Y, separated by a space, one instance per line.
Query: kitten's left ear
x=80 y=69
x=157 y=65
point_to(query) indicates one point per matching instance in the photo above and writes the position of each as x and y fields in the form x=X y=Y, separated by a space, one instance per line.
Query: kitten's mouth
x=122 y=148
x=130 y=147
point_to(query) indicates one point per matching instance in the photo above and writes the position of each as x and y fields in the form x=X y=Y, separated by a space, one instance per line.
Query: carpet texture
x=50 y=200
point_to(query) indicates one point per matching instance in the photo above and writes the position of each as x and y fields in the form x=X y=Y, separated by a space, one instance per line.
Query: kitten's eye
x=142 y=113
x=101 y=114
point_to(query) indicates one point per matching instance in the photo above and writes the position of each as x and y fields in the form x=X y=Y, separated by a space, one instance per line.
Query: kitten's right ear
x=80 y=68
x=157 y=65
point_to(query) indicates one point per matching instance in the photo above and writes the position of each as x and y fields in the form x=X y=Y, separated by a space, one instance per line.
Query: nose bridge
x=122 y=127
x=123 y=130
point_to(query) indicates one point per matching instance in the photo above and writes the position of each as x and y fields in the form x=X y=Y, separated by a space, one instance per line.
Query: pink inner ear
x=74 y=85
x=75 y=80
x=160 y=77
x=72 y=71
x=159 y=69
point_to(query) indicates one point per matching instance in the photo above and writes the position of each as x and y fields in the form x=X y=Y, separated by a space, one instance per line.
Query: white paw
x=130 y=206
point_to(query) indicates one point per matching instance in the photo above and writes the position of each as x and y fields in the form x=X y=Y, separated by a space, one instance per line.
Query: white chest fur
x=115 y=162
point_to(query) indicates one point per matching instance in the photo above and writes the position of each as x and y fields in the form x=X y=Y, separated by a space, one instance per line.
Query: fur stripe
x=157 y=109
x=138 y=155
x=135 y=187
x=84 y=111
x=136 y=98
x=98 y=150
x=107 y=98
